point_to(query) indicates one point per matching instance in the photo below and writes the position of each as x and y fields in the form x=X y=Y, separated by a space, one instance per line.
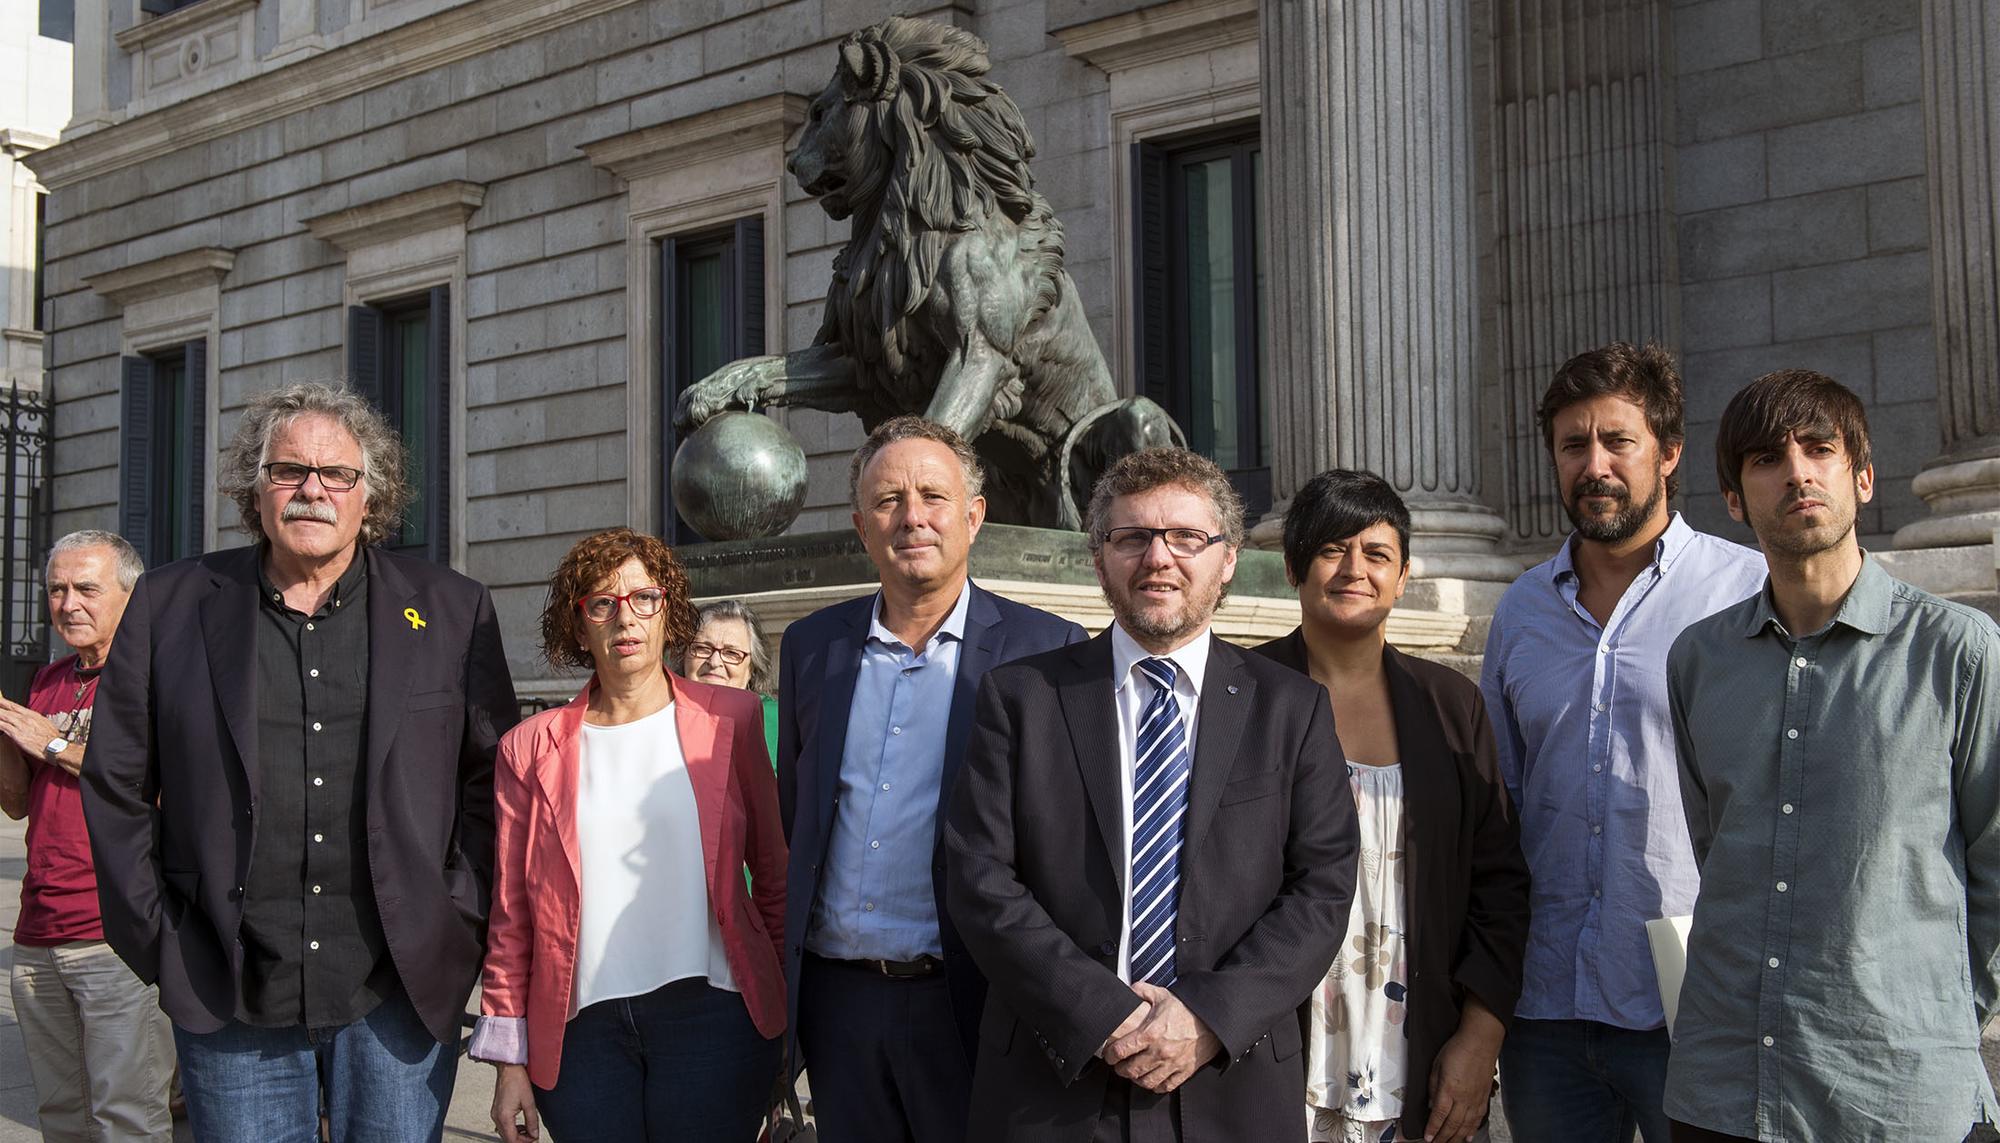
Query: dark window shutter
x=135 y=462
x=748 y=333
x=364 y=352
x=1152 y=259
x=195 y=370
x=437 y=362
x=669 y=359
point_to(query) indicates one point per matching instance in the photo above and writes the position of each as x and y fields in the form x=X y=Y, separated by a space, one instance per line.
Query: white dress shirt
x=1133 y=690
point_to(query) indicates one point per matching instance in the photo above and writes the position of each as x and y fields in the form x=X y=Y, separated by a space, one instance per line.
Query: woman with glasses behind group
x=729 y=651
x=633 y=985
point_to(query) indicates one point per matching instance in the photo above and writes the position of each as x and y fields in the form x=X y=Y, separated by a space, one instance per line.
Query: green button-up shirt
x=1842 y=791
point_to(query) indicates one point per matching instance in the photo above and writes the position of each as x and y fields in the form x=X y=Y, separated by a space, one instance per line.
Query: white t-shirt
x=646 y=919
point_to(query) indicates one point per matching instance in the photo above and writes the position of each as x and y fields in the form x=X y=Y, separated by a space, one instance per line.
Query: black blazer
x=176 y=726
x=1035 y=857
x=818 y=665
x=1466 y=880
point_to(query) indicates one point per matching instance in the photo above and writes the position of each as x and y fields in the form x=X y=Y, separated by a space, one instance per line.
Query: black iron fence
x=25 y=505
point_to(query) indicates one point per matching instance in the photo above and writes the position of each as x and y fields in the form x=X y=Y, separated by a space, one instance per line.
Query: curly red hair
x=594 y=560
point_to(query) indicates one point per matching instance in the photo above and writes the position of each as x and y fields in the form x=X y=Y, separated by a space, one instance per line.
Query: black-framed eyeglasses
x=703 y=651
x=602 y=606
x=332 y=477
x=1183 y=542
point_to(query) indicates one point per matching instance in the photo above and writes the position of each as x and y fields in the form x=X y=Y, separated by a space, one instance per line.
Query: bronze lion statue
x=950 y=298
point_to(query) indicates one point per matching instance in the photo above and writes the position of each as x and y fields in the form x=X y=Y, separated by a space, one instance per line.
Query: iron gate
x=25 y=504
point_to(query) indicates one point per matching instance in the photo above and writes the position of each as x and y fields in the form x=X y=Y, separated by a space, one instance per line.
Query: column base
x=1964 y=498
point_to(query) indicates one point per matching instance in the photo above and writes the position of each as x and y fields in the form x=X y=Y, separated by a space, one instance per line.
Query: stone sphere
x=741 y=476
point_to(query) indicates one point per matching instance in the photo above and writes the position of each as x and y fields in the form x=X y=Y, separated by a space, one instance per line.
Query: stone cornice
x=19 y=142
x=406 y=50
x=180 y=22
x=766 y=121
x=174 y=274
x=398 y=216
x=1160 y=32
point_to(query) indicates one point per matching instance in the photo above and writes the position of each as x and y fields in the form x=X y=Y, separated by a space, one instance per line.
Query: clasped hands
x=1161 y=1043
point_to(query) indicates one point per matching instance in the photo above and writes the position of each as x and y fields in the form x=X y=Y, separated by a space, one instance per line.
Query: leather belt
x=923 y=966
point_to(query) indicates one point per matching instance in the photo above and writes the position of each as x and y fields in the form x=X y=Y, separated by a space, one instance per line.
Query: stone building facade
x=1359 y=232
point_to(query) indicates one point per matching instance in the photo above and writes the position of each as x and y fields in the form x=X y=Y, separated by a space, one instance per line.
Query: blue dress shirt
x=1587 y=751
x=876 y=900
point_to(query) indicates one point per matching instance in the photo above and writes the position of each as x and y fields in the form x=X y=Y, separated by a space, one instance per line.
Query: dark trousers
x=1134 y=1115
x=682 y=1063
x=883 y=1056
x=1583 y=1082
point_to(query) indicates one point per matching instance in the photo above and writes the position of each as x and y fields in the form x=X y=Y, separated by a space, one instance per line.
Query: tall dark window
x=711 y=313
x=164 y=452
x=1200 y=271
x=399 y=356
x=40 y=320
x=58 y=20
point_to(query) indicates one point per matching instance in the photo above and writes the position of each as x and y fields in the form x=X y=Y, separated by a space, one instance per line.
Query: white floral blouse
x=1358 y=1054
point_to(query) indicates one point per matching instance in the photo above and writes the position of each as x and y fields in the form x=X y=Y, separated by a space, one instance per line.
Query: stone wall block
x=1718 y=33
x=587 y=319
x=405 y=98
x=325 y=123
x=659 y=66
x=1774 y=235
x=1867 y=294
x=369 y=151
x=1713 y=378
x=1724 y=172
x=581 y=227
x=771 y=32
x=507 y=518
x=1727 y=312
x=585 y=42
x=1905 y=365
x=1769 y=93
x=1898 y=217
x=292 y=254
x=283 y=177
x=454 y=126
x=83 y=491
x=314 y=289
x=500 y=157
x=715 y=90
x=428 y=171
x=1797 y=25
x=509 y=244
x=1848 y=151
x=516 y=64
x=1892 y=70
x=550 y=280
x=546 y=190
x=543 y=100
x=506 y=335
x=262 y=302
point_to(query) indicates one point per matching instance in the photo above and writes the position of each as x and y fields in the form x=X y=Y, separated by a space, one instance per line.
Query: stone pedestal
x=1371 y=329
x=1961 y=49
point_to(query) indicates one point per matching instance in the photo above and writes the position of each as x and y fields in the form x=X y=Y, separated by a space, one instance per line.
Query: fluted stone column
x=1368 y=154
x=1961 y=49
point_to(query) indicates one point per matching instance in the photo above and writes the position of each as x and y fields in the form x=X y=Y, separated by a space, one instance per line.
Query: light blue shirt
x=1587 y=751
x=876 y=900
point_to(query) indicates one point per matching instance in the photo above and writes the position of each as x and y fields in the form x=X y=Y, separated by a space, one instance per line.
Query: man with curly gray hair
x=289 y=791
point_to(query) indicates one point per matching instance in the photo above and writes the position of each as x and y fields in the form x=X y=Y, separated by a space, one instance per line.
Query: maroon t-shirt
x=59 y=893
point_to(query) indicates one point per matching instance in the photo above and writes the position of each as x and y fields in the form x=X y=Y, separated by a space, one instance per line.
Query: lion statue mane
x=950 y=298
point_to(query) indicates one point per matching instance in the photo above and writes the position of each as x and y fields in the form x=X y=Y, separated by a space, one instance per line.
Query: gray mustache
x=318 y=510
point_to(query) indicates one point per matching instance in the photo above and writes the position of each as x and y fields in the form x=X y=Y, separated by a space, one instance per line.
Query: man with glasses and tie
x=875 y=702
x=1151 y=849
x=289 y=790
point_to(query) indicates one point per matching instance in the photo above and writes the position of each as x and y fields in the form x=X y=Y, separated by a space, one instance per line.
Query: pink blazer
x=537 y=899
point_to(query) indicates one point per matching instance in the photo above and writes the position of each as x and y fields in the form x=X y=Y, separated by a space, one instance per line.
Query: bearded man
x=1839 y=740
x=1151 y=850
x=1575 y=682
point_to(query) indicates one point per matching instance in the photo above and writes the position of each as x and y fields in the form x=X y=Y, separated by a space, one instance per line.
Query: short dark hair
x=1337 y=504
x=1769 y=410
x=1140 y=472
x=590 y=562
x=910 y=427
x=1645 y=375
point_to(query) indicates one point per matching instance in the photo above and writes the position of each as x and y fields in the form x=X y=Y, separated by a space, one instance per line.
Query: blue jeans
x=681 y=1063
x=387 y=1080
x=1583 y=1082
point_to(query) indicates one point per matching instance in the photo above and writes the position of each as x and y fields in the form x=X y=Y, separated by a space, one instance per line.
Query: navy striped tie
x=1159 y=804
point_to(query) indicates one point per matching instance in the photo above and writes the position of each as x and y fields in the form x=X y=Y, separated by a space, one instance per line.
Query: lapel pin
x=417 y=621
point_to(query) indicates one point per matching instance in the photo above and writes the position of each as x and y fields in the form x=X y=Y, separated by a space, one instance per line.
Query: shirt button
x=1596 y=829
x=314 y=672
x=874 y=845
x=319 y=837
x=319 y=781
x=315 y=726
x=1604 y=649
x=315 y=888
x=1597 y=768
x=313 y=945
x=885 y=787
x=1787 y=807
x=1773 y=962
x=895 y=730
x=309 y=626
x=1783 y=886
x=1768 y=1041
x=868 y=907
x=1801 y=660
x=1793 y=733
x=1597 y=706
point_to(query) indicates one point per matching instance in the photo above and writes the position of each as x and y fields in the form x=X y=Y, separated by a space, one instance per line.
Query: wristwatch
x=56 y=746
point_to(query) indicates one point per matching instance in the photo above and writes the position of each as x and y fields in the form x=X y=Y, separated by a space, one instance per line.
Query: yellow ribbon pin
x=417 y=621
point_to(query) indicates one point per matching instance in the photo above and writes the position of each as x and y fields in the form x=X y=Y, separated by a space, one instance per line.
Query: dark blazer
x=818 y=663
x=1035 y=859
x=176 y=726
x=1463 y=873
